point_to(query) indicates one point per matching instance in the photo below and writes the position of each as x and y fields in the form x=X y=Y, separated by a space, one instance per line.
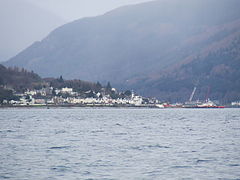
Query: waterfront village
x=105 y=97
x=68 y=97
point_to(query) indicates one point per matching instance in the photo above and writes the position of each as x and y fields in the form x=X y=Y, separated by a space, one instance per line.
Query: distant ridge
x=154 y=47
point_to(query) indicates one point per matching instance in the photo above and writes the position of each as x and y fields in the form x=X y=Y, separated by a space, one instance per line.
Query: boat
x=208 y=104
x=200 y=104
x=177 y=105
x=159 y=106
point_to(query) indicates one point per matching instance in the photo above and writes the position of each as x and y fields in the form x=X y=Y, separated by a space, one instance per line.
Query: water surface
x=109 y=143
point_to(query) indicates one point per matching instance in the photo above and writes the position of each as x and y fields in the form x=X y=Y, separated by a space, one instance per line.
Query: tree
x=60 y=79
x=98 y=85
x=7 y=95
x=108 y=87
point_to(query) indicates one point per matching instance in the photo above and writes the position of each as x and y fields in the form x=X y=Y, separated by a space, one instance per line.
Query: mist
x=26 y=21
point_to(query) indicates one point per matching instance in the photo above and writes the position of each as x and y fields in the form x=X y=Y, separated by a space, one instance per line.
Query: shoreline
x=72 y=106
x=102 y=106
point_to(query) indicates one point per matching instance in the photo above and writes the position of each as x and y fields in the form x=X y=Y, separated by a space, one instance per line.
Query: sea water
x=118 y=143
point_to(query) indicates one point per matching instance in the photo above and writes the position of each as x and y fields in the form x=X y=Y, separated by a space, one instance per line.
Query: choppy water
x=82 y=143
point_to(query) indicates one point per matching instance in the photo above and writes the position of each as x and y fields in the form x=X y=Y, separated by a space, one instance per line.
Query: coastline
x=78 y=105
x=102 y=106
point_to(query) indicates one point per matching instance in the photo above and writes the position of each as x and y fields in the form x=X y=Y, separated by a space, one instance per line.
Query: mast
x=191 y=97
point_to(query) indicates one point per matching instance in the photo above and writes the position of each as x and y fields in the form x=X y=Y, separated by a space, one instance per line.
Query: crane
x=191 y=97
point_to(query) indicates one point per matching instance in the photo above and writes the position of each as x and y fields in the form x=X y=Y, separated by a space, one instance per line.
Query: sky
x=23 y=22
x=74 y=9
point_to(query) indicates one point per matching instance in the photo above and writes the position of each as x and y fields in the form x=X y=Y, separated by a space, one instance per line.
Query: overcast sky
x=74 y=9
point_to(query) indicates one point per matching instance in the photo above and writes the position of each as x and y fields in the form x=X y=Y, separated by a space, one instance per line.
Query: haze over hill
x=75 y=9
x=142 y=46
x=21 y=24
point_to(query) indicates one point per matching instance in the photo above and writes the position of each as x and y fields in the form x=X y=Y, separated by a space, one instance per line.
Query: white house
x=67 y=90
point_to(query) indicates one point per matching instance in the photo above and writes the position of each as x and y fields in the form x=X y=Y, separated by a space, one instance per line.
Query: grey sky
x=74 y=9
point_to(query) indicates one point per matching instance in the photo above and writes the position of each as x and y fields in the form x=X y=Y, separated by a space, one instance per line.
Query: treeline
x=76 y=84
x=18 y=80
x=87 y=89
x=6 y=94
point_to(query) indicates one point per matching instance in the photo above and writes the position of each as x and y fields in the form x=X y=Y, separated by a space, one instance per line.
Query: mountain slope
x=135 y=45
x=216 y=76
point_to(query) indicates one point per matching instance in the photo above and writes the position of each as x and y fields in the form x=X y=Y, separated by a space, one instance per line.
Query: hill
x=18 y=80
x=134 y=46
x=216 y=76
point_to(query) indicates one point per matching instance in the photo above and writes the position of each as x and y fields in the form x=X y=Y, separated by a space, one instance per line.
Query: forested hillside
x=216 y=75
x=19 y=80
